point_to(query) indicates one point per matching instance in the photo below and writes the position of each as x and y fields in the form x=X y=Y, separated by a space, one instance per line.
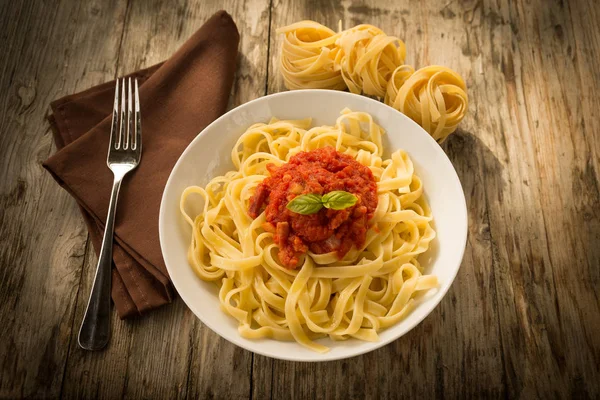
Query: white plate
x=209 y=155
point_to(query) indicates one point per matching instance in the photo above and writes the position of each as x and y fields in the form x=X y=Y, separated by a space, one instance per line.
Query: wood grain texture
x=43 y=237
x=522 y=318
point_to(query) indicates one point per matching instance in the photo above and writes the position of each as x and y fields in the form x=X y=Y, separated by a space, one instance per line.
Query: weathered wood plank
x=566 y=158
x=262 y=377
x=218 y=368
x=425 y=362
x=469 y=312
x=208 y=377
x=516 y=231
x=525 y=123
x=169 y=353
x=582 y=106
x=582 y=46
x=43 y=237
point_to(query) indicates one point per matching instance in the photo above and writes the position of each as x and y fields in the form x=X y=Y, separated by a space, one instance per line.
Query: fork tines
x=126 y=131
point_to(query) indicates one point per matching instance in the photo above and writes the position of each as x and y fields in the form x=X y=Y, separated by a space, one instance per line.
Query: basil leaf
x=339 y=200
x=306 y=204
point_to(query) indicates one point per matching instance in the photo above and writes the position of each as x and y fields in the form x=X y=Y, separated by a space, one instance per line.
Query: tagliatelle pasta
x=365 y=60
x=435 y=97
x=399 y=76
x=369 y=289
x=308 y=53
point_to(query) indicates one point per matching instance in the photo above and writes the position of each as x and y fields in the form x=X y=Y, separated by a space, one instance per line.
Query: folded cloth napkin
x=178 y=99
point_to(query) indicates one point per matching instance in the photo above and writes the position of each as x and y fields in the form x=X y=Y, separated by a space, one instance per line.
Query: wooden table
x=522 y=317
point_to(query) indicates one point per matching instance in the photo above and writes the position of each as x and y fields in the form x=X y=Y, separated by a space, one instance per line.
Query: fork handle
x=95 y=328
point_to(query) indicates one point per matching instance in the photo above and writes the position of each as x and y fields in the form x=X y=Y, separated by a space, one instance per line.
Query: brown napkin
x=178 y=99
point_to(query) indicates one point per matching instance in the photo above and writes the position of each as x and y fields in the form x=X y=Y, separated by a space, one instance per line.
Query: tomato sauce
x=318 y=172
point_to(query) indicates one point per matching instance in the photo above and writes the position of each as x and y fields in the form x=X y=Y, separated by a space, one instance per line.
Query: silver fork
x=124 y=155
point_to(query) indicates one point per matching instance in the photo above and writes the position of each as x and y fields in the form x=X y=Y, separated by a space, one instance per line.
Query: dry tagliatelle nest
x=365 y=60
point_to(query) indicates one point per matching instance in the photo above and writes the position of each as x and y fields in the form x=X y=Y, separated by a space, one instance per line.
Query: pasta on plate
x=370 y=288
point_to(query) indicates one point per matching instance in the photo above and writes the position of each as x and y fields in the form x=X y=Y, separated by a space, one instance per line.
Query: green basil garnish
x=311 y=203
x=338 y=200
x=306 y=204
